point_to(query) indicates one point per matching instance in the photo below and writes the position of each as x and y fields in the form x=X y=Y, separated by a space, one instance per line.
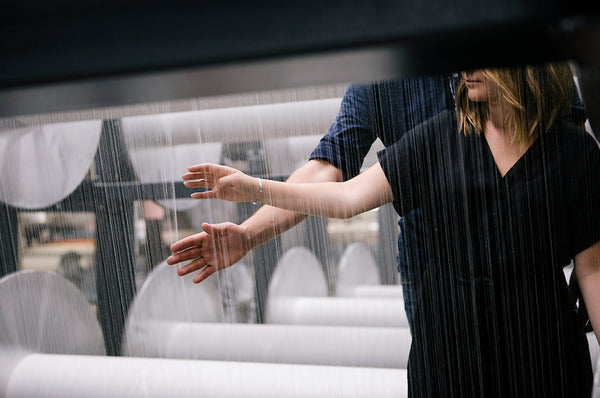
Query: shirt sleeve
x=410 y=164
x=354 y=130
x=384 y=110
x=396 y=163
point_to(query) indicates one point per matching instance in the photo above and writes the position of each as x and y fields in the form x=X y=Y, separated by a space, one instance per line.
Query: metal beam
x=71 y=55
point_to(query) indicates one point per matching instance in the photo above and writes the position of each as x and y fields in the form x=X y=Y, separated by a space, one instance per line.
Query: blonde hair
x=536 y=96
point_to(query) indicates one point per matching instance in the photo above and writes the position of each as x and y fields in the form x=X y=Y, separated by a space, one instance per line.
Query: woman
x=509 y=196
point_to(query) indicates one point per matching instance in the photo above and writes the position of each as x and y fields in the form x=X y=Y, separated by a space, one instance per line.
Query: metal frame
x=73 y=55
x=110 y=197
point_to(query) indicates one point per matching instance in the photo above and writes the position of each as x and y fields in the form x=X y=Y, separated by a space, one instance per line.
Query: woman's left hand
x=224 y=183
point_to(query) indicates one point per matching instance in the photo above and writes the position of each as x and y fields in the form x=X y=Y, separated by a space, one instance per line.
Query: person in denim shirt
x=384 y=110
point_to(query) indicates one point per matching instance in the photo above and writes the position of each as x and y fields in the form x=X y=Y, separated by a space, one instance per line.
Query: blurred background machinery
x=103 y=103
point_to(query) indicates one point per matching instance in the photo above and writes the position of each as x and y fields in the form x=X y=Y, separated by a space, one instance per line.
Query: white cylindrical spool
x=258 y=122
x=337 y=311
x=41 y=375
x=161 y=147
x=375 y=291
x=298 y=344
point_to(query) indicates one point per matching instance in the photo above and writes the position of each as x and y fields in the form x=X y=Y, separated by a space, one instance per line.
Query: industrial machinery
x=103 y=104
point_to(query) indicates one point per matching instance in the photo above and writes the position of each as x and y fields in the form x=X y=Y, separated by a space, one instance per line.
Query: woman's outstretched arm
x=364 y=192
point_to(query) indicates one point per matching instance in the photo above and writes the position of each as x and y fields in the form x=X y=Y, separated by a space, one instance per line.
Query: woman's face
x=479 y=87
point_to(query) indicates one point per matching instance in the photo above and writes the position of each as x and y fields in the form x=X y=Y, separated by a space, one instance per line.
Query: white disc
x=42 y=165
x=298 y=273
x=357 y=267
x=42 y=312
x=236 y=287
x=165 y=296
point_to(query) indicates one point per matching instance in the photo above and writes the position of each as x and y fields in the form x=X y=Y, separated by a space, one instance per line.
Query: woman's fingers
x=195 y=265
x=199 y=184
x=197 y=176
x=207 y=171
x=205 y=195
x=211 y=168
x=205 y=175
x=220 y=180
x=186 y=255
x=199 y=240
x=201 y=179
x=205 y=273
x=188 y=242
x=203 y=167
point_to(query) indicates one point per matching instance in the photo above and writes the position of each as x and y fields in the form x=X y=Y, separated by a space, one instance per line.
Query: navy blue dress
x=387 y=110
x=495 y=317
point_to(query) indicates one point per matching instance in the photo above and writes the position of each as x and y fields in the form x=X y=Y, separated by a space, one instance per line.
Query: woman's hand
x=224 y=183
x=219 y=246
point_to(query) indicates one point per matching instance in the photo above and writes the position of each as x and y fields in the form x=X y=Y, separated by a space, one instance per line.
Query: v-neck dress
x=495 y=317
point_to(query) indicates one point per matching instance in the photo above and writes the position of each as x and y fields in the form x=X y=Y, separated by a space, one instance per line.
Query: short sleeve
x=411 y=162
x=354 y=130
x=384 y=110
x=396 y=162
x=585 y=222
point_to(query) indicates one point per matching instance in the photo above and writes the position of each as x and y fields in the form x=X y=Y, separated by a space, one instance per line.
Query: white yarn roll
x=316 y=345
x=245 y=123
x=337 y=311
x=375 y=291
x=62 y=376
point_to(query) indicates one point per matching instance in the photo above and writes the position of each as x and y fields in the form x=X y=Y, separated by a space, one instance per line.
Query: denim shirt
x=386 y=110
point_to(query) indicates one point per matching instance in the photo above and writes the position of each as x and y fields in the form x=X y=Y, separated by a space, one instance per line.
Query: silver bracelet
x=259 y=188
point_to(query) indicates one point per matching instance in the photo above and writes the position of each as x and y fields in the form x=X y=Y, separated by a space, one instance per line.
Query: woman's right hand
x=218 y=246
x=224 y=183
